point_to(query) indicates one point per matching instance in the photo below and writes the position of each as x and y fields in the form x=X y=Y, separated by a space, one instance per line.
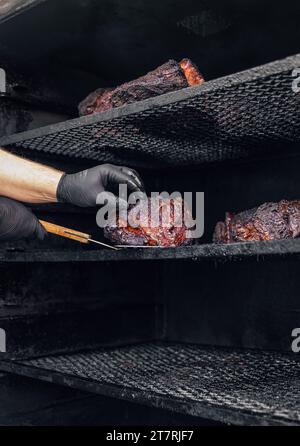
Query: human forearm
x=30 y=182
x=27 y=181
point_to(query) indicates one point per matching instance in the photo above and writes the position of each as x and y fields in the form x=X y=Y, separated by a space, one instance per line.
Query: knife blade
x=104 y=244
x=137 y=246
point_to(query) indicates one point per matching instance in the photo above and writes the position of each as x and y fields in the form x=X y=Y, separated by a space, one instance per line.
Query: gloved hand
x=18 y=222
x=82 y=189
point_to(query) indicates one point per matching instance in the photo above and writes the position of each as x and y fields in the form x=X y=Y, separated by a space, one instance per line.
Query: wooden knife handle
x=65 y=232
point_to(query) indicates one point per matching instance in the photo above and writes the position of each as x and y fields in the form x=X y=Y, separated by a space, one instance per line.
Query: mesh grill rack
x=241 y=387
x=237 y=116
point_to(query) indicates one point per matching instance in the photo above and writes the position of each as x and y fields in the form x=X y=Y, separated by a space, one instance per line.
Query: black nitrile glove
x=82 y=189
x=18 y=222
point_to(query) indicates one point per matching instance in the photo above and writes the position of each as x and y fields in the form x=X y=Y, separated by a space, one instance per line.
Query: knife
x=137 y=246
x=72 y=234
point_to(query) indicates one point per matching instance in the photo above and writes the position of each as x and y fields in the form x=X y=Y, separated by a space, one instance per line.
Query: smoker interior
x=203 y=330
x=124 y=306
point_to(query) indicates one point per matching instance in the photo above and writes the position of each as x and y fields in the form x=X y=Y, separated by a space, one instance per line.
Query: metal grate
x=241 y=115
x=232 y=386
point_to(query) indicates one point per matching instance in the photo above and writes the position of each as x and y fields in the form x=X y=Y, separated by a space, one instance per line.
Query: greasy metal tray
x=242 y=115
x=240 y=387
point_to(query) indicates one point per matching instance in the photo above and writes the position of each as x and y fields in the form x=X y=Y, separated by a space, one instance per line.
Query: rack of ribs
x=168 y=77
x=270 y=221
x=157 y=222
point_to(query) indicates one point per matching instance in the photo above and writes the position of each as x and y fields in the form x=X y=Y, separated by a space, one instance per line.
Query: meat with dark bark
x=191 y=72
x=270 y=221
x=168 y=77
x=155 y=222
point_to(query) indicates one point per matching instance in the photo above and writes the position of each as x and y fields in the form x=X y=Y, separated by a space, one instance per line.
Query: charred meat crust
x=269 y=221
x=168 y=77
x=170 y=230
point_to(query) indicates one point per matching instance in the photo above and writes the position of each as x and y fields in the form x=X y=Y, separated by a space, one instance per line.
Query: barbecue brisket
x=168 y=77
x=170 y=230
x=270 y=221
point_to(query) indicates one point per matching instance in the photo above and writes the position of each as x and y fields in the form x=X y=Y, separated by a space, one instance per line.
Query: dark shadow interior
x=80 y=45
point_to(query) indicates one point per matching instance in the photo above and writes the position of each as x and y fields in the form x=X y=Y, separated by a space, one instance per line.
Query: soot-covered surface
x=195 y=252
x=240 y=387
